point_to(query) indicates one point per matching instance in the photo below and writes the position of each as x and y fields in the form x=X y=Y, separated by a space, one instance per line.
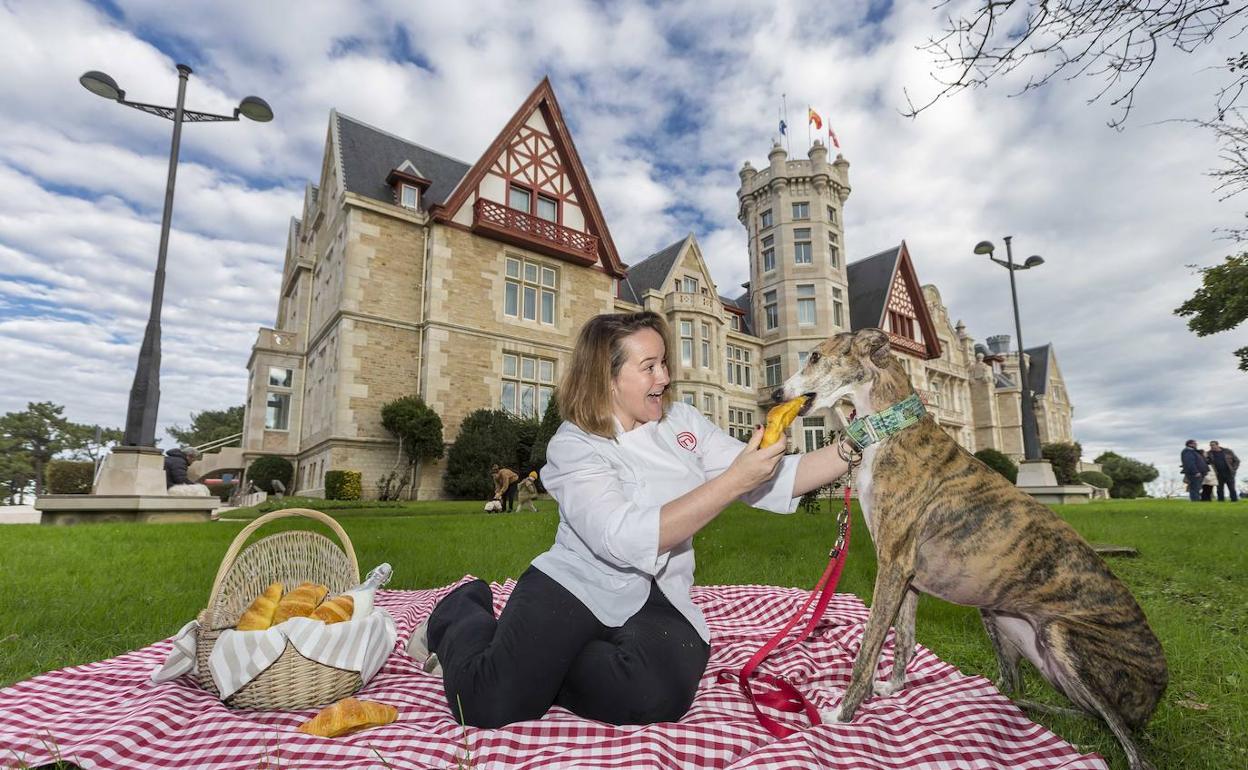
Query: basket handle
x=228 y=560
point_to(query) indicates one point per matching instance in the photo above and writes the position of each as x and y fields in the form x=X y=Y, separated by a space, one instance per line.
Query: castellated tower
x=798 y=286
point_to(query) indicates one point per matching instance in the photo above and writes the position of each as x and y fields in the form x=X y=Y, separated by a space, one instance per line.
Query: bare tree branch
x=1114 y=40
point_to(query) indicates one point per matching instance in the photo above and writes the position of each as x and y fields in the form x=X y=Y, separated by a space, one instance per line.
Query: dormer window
x=690 y=285
x=409 y=196
x=519 y=198
x=540 y=206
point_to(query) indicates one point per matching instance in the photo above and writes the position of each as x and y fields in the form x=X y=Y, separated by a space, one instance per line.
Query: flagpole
x=808 y=110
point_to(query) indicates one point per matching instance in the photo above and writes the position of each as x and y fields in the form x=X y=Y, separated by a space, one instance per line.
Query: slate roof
x=742 y=303
x=369 y=155
x=650 y=272
x=869 y=281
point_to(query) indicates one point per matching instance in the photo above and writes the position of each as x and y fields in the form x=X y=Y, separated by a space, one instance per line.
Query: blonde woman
x=602 y=623
x=526 y=492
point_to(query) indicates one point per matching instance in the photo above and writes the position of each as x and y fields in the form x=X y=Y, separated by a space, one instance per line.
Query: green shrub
x=999 y=462
x=343 y=485
x=70 y=477
x=550 y=424
x=266 y=469
x=1129 y=474
x=486 y=437
x=410 y=420
x=1096 y=479
x=1064 y=457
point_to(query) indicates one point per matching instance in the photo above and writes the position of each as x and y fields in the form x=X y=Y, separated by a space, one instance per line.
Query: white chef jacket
x=609 y=491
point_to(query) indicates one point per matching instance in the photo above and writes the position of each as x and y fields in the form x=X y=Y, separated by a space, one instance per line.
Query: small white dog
x=494 y=506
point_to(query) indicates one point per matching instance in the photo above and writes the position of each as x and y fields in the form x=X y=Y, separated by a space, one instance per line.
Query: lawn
x=78 y=594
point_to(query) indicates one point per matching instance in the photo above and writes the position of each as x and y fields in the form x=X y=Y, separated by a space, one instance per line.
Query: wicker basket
x=293 y=681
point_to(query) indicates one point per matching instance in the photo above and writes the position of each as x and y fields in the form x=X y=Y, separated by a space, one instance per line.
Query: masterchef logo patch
x=687 y=440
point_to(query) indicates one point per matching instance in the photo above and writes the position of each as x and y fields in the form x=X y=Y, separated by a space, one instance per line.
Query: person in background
x=526 y=491
x=1225 y=464
x=1194 y=469
x=1206 y=484
x=178 y=484
x=505 y=480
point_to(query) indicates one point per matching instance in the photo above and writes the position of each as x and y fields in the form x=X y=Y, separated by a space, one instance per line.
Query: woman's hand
x=754 y=466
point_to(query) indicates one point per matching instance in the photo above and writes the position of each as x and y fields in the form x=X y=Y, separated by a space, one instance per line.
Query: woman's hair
x=585 y=392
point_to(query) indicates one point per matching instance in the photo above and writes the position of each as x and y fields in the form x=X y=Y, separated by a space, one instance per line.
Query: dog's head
x=836 y=367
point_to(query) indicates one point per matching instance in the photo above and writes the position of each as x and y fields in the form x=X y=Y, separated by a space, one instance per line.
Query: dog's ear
x=872 y=344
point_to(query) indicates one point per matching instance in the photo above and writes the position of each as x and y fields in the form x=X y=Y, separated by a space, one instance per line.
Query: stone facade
x=411 y=273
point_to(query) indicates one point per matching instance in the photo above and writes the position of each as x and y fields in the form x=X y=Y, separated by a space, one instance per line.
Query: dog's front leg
x=892 y=584
x=903 y=645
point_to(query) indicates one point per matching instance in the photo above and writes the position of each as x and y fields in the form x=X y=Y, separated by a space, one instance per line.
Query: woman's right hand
x=755 y=466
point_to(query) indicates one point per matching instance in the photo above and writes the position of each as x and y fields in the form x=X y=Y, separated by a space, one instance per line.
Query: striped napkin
x=240 y=656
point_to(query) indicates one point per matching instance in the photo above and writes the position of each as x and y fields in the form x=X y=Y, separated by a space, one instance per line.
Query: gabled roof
x=1038 y=368
x=652 y=272
x=368 y=155
x=871 y=285
x=542 y=98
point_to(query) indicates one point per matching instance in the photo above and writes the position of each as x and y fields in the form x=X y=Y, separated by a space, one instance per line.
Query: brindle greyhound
x=946 y=524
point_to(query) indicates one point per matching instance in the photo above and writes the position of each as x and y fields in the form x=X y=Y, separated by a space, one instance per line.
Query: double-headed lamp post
x=145 y=392
x=1031 y=436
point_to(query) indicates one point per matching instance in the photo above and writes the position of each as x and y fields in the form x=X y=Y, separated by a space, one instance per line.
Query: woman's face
x=637 y=390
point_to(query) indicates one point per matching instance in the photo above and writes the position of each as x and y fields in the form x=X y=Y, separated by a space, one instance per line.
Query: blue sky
x=666 y=101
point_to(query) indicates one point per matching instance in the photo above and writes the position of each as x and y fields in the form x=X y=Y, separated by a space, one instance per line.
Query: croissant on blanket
x=259 y=615
x=300 y=602
x=349 y=715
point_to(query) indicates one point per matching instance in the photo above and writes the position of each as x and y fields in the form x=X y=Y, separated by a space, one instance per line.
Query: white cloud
x=665 y=103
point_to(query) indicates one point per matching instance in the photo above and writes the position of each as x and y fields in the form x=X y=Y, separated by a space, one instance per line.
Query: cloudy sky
x=665 y=102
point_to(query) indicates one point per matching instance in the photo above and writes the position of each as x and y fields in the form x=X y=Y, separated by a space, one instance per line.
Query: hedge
x=70 y=477
x=343 y=485
x=999 y=462
x=264 y=470
x=1096 y=479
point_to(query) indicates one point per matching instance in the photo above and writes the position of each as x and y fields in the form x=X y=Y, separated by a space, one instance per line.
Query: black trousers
x=547 y=648
x=509 y=496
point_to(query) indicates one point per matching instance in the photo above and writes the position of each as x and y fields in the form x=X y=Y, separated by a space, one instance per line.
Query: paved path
x=18 y=514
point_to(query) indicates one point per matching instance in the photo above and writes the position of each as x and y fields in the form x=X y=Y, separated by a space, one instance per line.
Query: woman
x=602 y=623
x=526 y=492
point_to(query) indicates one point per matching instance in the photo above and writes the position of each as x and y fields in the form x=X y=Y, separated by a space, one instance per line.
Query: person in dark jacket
x=176 y=463
x=1194 y=469
x=1225 y=464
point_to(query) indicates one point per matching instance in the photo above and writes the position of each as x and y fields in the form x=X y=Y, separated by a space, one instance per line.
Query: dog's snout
x=777 y=394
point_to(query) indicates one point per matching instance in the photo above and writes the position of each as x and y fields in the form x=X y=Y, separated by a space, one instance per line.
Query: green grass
x=78 y=594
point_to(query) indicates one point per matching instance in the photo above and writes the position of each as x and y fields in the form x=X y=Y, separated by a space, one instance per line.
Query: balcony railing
x=527 y=231
x=684 y=300
x=907 y=344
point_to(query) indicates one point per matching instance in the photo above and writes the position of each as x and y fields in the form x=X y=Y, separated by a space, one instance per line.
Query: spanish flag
x=813 y=117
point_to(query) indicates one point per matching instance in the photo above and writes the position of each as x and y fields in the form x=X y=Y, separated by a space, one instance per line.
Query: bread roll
x=349 y=715
x=259 y=615
x=300 y=602
x=335 y=610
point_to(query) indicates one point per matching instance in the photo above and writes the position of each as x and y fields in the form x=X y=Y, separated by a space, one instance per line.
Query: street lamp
x=145 y=392
x=1031 y=435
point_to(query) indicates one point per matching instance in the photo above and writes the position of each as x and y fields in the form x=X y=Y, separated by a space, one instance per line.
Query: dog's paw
x=887 y=687
x=832 y=716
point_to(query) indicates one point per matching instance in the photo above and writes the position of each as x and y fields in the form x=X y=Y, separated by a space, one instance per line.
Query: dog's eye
x=814 y=358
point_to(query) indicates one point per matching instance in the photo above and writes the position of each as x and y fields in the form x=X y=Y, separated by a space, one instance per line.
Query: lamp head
x=1035 y=260
x=255 y=108
x=984 y=247
x=101 y=84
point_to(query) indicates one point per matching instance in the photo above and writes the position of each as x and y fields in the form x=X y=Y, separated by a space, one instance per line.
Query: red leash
x=786 y=697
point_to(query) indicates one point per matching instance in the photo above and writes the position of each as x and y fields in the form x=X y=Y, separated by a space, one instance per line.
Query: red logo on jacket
x=687 y=440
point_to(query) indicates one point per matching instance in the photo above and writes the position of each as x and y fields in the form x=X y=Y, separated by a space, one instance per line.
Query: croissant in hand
x=349 y=715
x=300 y=602
x=259 y=615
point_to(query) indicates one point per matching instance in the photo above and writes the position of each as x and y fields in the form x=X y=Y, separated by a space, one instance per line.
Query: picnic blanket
x=111 y=715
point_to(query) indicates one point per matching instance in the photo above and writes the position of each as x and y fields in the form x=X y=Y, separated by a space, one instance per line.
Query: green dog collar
x=868 y=430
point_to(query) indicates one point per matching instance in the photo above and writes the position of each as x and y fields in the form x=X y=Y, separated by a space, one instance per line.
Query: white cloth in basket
x=240 y=656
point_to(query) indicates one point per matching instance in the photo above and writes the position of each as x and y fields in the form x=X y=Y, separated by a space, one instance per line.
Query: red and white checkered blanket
x=110 y=715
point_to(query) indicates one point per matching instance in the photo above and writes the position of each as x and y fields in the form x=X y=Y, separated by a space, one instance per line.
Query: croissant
x=779 y=418
x=300 y=602
x=335 y=610
x=259 y=615
x=349 y=715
